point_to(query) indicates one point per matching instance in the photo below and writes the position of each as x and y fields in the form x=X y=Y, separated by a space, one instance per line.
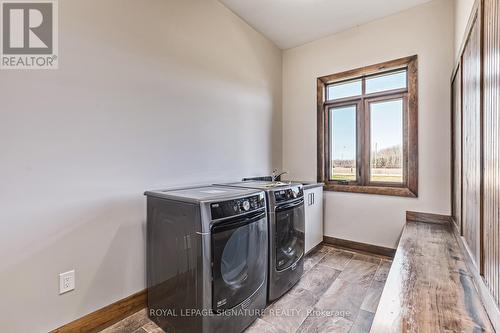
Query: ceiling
x=291 y=23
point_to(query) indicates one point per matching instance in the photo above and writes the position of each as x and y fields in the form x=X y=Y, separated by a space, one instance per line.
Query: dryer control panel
x=288 y=194
x=230 y=208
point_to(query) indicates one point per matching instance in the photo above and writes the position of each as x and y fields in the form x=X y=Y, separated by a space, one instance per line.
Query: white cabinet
x=313 y=202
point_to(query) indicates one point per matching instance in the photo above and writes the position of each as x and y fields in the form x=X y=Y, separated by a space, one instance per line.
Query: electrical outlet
x=66 y=282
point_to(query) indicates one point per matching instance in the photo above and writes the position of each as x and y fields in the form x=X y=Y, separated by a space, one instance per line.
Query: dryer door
x=289 y=234
x=239 y=259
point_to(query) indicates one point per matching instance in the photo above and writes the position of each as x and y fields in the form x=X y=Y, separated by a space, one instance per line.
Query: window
x=343 y=148
x=367 y=129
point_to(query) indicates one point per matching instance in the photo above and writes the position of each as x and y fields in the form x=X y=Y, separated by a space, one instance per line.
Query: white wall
x=462 y=10
x=427 y=31
x=148 y=94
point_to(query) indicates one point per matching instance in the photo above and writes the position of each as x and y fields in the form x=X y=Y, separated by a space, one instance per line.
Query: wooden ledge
x=429 y=288
x=380 y=190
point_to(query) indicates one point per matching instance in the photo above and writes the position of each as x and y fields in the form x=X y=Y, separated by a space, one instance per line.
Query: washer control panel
x=287 y=194
x=229 y=208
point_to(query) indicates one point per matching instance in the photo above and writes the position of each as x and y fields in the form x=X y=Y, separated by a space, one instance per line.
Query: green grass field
x=386 y=175
x=376 y=178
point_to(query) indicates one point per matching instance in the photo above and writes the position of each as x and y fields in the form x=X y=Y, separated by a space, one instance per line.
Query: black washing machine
x=206 y=258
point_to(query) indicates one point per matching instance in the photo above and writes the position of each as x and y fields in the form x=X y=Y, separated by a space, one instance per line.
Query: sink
x=277 y=184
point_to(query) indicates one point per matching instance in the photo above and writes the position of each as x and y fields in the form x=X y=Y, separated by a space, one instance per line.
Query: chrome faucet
x=277 y=176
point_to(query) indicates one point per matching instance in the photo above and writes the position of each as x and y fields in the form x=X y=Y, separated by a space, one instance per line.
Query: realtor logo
x=29 y=34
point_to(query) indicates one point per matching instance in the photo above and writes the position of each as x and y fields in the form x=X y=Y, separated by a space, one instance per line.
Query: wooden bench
x=429 y=287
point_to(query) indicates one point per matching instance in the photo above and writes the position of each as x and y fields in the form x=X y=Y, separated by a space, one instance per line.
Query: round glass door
x=234 y=261
x=239 y=258
x=289 y=236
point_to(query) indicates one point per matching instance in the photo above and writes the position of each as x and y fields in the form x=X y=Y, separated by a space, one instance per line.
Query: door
x=456 y=203
x=471 y=209
x=313 y=217
x=289 y=234
x=491 y=123
x=239 y=259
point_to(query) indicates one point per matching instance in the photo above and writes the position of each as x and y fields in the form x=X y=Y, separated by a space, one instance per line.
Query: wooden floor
x=429 y=288
x=339 y=292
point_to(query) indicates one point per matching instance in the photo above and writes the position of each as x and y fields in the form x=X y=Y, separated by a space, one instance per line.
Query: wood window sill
x=380 y=190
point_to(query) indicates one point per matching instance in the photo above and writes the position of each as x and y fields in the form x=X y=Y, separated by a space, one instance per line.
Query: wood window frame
x=409 y=187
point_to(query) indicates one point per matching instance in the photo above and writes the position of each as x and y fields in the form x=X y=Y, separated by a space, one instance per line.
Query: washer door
x=289 y=234
x=239 y=259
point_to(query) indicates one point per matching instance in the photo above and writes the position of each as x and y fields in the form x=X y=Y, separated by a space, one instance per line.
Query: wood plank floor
x=339 y=292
